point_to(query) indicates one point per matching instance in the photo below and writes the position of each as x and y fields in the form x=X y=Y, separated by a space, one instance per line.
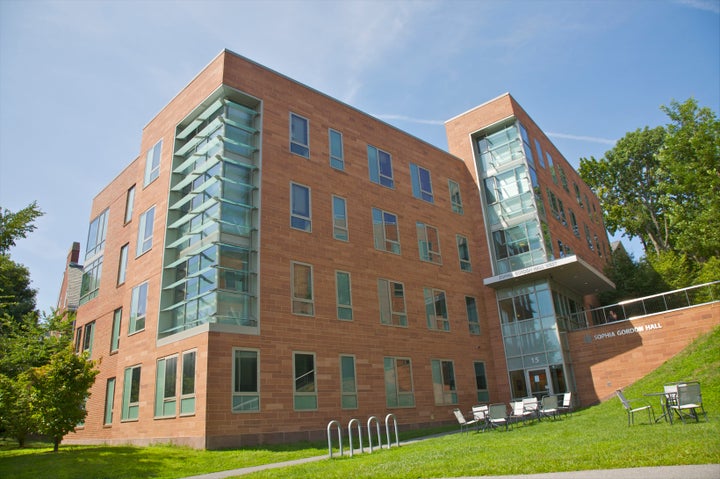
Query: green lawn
x=593 y=438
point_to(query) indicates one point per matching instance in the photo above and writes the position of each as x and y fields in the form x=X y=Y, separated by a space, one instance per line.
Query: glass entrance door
x=537 y=379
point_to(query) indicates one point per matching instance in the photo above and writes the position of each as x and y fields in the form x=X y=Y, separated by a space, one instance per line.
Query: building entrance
x=537 y=380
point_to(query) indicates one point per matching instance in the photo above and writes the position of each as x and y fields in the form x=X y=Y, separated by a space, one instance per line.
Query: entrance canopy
x=571 y=272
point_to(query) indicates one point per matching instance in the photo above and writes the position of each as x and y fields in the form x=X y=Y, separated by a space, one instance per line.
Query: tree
x=15 y=417
x=17 y=225
x=60 y=390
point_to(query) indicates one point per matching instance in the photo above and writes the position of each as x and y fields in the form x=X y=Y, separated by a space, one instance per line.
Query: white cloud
x=409 y=119
x=593 y=139
x=706 y=5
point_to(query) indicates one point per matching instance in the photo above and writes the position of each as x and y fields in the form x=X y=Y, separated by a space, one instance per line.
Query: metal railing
x=654 y=304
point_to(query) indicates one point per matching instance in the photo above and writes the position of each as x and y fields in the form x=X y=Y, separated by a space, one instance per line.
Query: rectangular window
x=578 y=197
x=78 y=338
x=552 y=167
x=539 y=152
x=337 y=159
x=302 y=289
x=246 y=384
x=299 y=135
x=436 y=309
x=421 y=183
x=574 y=223
x=398 y=382
x=115 y=333
x=90 y=283
x=129 y=204
x=443 y=376
x=563 y=179
x=455 y=198
x=463 y=253
x=305 y=395
x=380 y=167
x=481 y=382
x=344 y=298
x=472 y=315
x=348 y=383
x=109 y=401
x=391 y=297
x=88 y=337
x=152 y=163
x=187 y=385
x=145 y=231
x=131 y=394
x=122 y=264
x=300 y=207
x=428 y=243
x=96 y=235
x=340 y=225
x=138 y=308
x=386 y=234
x=166 y=387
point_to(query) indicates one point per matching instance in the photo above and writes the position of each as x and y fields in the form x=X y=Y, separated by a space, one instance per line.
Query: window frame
x=380 y=236
x=455 y=197
x=473 y=316
x=236 y=392
x=465 y=263
x=109 y=401
x=340 y=232
x=337 y=160
x=187 y=399
x=131 y=393
x=129 y=204
x=393 y=395
x=376 y=167
x=298 y=395
x=340 y=306
x=152 y=163
x=483 y=394
x=166 y=382
x=348 y=398
x=426 y=251
x=439 y=368
x=88 y=337
x=145 y=238
x=299 y=146
x=122 y=263
x=421 y=190
x=115 y=332
x=137 y=321
x=298 y=219
x=297 y=301
x=387 y=290
x=435 y=305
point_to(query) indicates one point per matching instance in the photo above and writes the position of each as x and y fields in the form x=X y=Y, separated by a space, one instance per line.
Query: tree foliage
x=662 y=185
x=17 y=225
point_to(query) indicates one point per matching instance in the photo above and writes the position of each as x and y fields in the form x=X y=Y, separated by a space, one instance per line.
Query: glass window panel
x=336 y=150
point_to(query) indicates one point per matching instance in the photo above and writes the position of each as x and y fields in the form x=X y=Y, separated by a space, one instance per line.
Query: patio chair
x=464 y=423
x=631 y=410
x=531 y=406
x=480 y=413
x=549 y=407
x=497 y=416
x=566 y=406
x=518 y=412
x=689 y=401
x=668 y=400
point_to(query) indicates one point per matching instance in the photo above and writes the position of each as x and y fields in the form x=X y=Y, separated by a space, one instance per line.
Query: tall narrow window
x=145 y=231
x=78 y=338
x=122 y=266
x=88 y=336
x=299 y=135
x=166 y=387
x=129 y=203
x=463 y=252
x=187 y=384
x=109 y=401
x=344 y=298
x=472 y=315
x=386 y=234
x=305 y=396
x=152 y=163
x=436 y=309
x=421 y=183
x=340 y=225
x=115 y=333
x=481 y=382
x=96 y=235
x=302 y=289
x=246 y=384
x=348 y=383
x=138 y=308
x=539 y=152
x=443 y=376
x=428 y=243
x=337 y=159
x=398 y=382
x=380 y=167
x=551 y=165
x=300 y=207
x=391 y=297
x=131 y=394
x=455 y=198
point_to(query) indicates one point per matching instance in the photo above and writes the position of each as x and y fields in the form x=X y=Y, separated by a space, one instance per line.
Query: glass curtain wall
x=211 y=252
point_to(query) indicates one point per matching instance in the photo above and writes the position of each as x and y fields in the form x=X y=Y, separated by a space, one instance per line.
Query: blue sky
x=80 y=79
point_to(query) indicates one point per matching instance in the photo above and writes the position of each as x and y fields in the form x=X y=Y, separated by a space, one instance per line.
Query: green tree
x=60 y=390
x=17 y=225
x=633 y=279
x=15 y=416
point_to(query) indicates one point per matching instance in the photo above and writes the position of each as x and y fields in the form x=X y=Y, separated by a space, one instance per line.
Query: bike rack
x=379 y=437
x=339 y=433
x=387 y=430
x=359 y=430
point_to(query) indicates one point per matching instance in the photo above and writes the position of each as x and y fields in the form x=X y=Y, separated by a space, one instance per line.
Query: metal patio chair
x=549 y=406
x=464 y=423
x=689 y=402
x=631 y=410
x=566 y=406
x=497 y=416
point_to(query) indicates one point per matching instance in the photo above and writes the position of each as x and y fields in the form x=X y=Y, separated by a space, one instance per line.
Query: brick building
x=275 y=259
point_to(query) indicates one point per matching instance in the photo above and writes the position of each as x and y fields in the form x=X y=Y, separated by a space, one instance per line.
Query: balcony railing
x=657 y=303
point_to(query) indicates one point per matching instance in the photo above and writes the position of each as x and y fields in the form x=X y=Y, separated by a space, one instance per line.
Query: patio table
x=666 y=412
